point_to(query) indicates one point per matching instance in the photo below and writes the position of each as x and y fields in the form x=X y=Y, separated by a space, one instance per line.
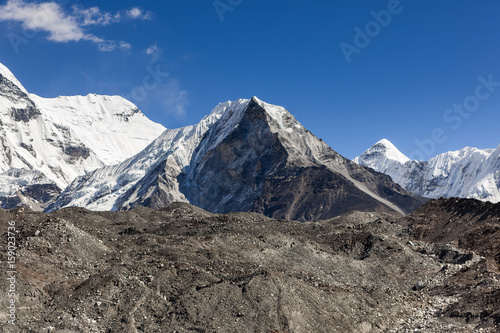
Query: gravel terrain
x=182 y=269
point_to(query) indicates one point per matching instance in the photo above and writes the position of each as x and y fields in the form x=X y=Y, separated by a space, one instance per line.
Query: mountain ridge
x=467 y=173
x=235 y=159
x=51 y=141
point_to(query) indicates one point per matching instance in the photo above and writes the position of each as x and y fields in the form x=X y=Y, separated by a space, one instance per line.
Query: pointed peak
x=222 y=107
x=389 y=150
x=255 y=99
x=385 y=143
x=6 y=73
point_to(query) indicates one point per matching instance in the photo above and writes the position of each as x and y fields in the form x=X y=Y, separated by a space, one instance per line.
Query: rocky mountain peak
x=61 y=138
x=14 y=99
x=6 y=74
x=382 y=150
x=246 y=155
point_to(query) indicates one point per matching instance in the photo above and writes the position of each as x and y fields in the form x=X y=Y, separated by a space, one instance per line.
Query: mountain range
x=465 y=173
x=246 y=155
x=47 y=142
x=103 y=153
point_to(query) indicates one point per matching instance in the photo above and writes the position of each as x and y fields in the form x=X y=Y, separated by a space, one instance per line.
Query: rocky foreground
x=181 y=269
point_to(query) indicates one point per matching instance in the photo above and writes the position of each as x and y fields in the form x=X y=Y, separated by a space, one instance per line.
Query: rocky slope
x=470 y=224
x=466 y=173
x=182 y=269
x=47 y=142
x=246 y=155
x=473 y=226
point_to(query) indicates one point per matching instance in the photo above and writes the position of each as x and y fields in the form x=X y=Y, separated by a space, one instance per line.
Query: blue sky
x=422 y=74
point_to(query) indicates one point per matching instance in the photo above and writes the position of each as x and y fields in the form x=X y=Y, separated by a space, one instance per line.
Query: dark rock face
x=13 y=93
x=26 y=114
x=77 y=151
x=10 y=202
x=312 y=193
x=229 y=177
x=182 y=269
x=43 y=194
x=251 y=170
x=28 y=147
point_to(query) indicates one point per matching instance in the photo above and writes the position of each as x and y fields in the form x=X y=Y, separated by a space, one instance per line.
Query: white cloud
x=45 y=16
x=94 y=16
x=62 y=27
x=152 y=49
x=137 y=13
x=175 y=99
x=110 y=45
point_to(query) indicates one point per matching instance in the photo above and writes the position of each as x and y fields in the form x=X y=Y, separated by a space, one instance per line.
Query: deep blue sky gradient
x=428 y=58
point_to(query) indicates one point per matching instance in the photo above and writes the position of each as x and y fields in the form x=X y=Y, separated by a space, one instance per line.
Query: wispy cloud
x=155 y=52
x=94 y=16
x=175 y=99
x=169 y=97
x=64 y=27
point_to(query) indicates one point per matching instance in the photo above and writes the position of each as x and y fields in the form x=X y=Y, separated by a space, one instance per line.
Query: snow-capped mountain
x=47 y=142
x=245 y=155
x=465 y=173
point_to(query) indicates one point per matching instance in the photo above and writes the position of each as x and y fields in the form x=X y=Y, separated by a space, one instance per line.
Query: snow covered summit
x=51 y=141
x=465 y=173
x=246 y=155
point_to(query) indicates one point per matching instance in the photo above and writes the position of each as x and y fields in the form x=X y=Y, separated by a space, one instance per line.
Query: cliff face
x=469 y=223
